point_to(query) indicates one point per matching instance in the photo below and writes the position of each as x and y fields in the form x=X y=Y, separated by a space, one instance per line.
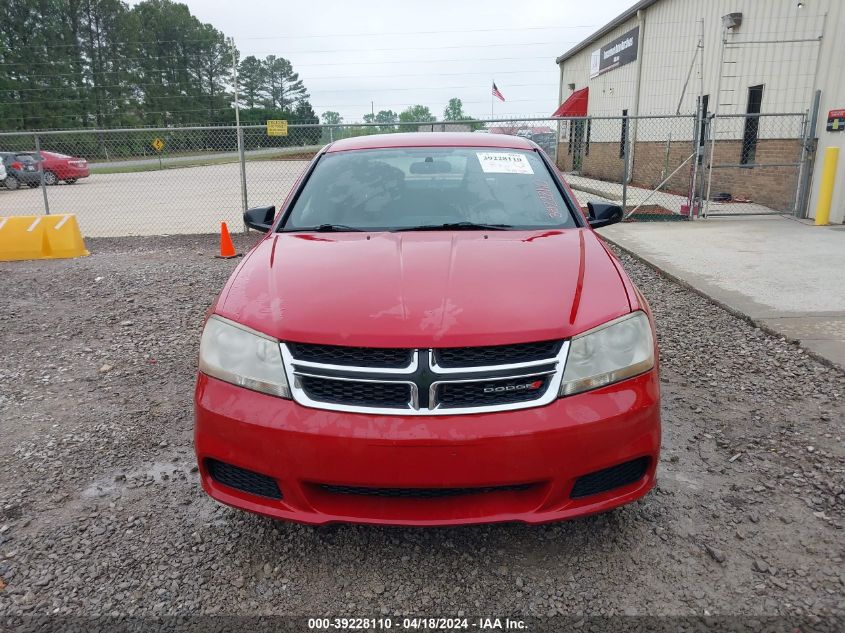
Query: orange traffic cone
x=227 y=248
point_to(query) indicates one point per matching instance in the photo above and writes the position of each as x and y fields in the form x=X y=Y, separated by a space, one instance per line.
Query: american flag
x=497 y=94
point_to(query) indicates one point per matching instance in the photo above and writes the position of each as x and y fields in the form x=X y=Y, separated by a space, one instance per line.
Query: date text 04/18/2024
x=417 y=624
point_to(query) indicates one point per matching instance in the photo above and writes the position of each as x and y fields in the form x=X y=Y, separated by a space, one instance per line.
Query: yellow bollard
x=831 y=158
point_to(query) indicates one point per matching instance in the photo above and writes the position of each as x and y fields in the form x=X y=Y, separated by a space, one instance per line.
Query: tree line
x=102 y=63
x=70 y=64
x=388 y=121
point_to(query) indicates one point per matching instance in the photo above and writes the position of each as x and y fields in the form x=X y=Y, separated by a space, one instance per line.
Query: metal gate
x=755 y=164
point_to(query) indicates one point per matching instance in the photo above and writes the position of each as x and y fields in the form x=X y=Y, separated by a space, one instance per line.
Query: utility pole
x=238 y=131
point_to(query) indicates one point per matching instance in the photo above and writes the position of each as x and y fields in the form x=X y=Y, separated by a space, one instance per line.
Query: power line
x=140 y=105
x=335 y=35
x=226 y=109
x=344 y=90
x=437 y=32
x=427 y=48
x=200 y=55
x=335 y=64
x=132 y=85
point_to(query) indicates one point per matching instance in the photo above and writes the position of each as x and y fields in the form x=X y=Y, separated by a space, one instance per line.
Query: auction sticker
x=504 y=163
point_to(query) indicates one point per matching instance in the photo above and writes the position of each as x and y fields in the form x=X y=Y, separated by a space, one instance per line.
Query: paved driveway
x=783 y=273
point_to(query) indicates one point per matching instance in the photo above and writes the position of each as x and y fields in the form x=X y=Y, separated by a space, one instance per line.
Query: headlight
x=236 y=354
x=609 y=353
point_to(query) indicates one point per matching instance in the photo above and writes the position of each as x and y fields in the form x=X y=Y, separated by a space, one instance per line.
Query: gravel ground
x=101 y=511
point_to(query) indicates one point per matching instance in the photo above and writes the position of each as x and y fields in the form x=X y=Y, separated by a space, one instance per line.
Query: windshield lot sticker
x=504 y=163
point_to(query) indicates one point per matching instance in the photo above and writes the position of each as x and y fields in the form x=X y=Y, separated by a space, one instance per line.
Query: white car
x=2 y=171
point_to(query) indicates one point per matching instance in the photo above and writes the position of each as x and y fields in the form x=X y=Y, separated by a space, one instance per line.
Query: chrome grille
x=446 y=381
x=496 y=354
x=490 y=392
x=356 y=392
x=376 y=357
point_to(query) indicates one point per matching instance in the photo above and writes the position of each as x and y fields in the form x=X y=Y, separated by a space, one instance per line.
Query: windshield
x=429 y=187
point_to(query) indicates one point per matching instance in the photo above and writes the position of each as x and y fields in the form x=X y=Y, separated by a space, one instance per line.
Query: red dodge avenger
x=431 y=333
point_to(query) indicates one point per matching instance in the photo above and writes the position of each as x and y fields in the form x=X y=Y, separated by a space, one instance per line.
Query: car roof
x=431 y=139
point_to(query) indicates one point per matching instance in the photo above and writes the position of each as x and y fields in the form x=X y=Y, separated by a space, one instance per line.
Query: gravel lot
x=102 y=512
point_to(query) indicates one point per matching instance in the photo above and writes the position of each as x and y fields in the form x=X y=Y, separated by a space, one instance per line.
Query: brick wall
x=771 y=186
x=599 y=160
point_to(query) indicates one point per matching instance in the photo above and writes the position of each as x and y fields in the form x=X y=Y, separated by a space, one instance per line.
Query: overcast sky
x=396 y=53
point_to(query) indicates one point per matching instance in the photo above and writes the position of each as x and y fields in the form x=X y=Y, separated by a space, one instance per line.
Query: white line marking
x=33 y=225
x=62 y=223
x=3 y=222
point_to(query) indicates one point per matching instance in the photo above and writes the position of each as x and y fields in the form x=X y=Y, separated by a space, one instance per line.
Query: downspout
x=633 y=130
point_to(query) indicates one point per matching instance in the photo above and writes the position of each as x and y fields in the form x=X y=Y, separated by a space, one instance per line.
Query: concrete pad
x=785 y=275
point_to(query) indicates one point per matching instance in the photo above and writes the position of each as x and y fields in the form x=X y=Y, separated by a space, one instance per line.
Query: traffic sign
x=158 y=144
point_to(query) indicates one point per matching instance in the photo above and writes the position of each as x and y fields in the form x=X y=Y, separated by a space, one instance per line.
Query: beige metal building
x=738 y=58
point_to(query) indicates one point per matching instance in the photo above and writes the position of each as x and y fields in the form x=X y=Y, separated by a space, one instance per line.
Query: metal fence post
x=626 y=141
x=242 y=160
x=43 y=184
x=808 y=150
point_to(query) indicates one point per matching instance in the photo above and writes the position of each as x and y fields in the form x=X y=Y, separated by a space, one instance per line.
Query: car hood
x=425 y=289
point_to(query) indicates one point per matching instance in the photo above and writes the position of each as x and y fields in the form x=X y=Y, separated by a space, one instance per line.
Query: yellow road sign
x=277 y=127
x=158 y=144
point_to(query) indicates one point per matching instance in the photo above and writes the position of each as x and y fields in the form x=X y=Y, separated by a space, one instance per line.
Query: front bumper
x=534 y=455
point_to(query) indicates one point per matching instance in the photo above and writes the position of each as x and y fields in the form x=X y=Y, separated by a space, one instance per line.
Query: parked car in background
x=2 y=171
x=63 y=167
x=22 y=168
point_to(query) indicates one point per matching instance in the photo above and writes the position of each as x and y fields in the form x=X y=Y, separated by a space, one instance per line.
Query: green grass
x=129 y=169
x=199 y=162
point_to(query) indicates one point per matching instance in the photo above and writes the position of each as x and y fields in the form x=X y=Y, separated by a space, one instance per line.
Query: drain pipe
x=634 y=121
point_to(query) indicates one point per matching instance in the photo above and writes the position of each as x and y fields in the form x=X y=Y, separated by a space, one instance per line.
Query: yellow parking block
x=40 y=237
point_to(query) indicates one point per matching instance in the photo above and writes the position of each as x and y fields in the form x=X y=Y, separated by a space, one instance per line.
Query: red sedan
x=62 y=167
x=431 y=333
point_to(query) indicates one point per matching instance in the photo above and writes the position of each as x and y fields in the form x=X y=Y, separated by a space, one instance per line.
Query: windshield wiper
x=458 y=226
x=326 y=228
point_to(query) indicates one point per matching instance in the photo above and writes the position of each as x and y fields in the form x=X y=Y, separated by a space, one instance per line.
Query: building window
x=623 y=141
x=752 y=125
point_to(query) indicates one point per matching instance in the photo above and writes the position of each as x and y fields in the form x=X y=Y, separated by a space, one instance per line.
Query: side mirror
x=603 y=214
x=260 y=218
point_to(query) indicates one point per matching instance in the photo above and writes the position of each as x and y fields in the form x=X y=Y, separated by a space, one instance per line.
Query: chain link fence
x=118 y=183
x=662 y=165
x=754 y=163
x=156 y=181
